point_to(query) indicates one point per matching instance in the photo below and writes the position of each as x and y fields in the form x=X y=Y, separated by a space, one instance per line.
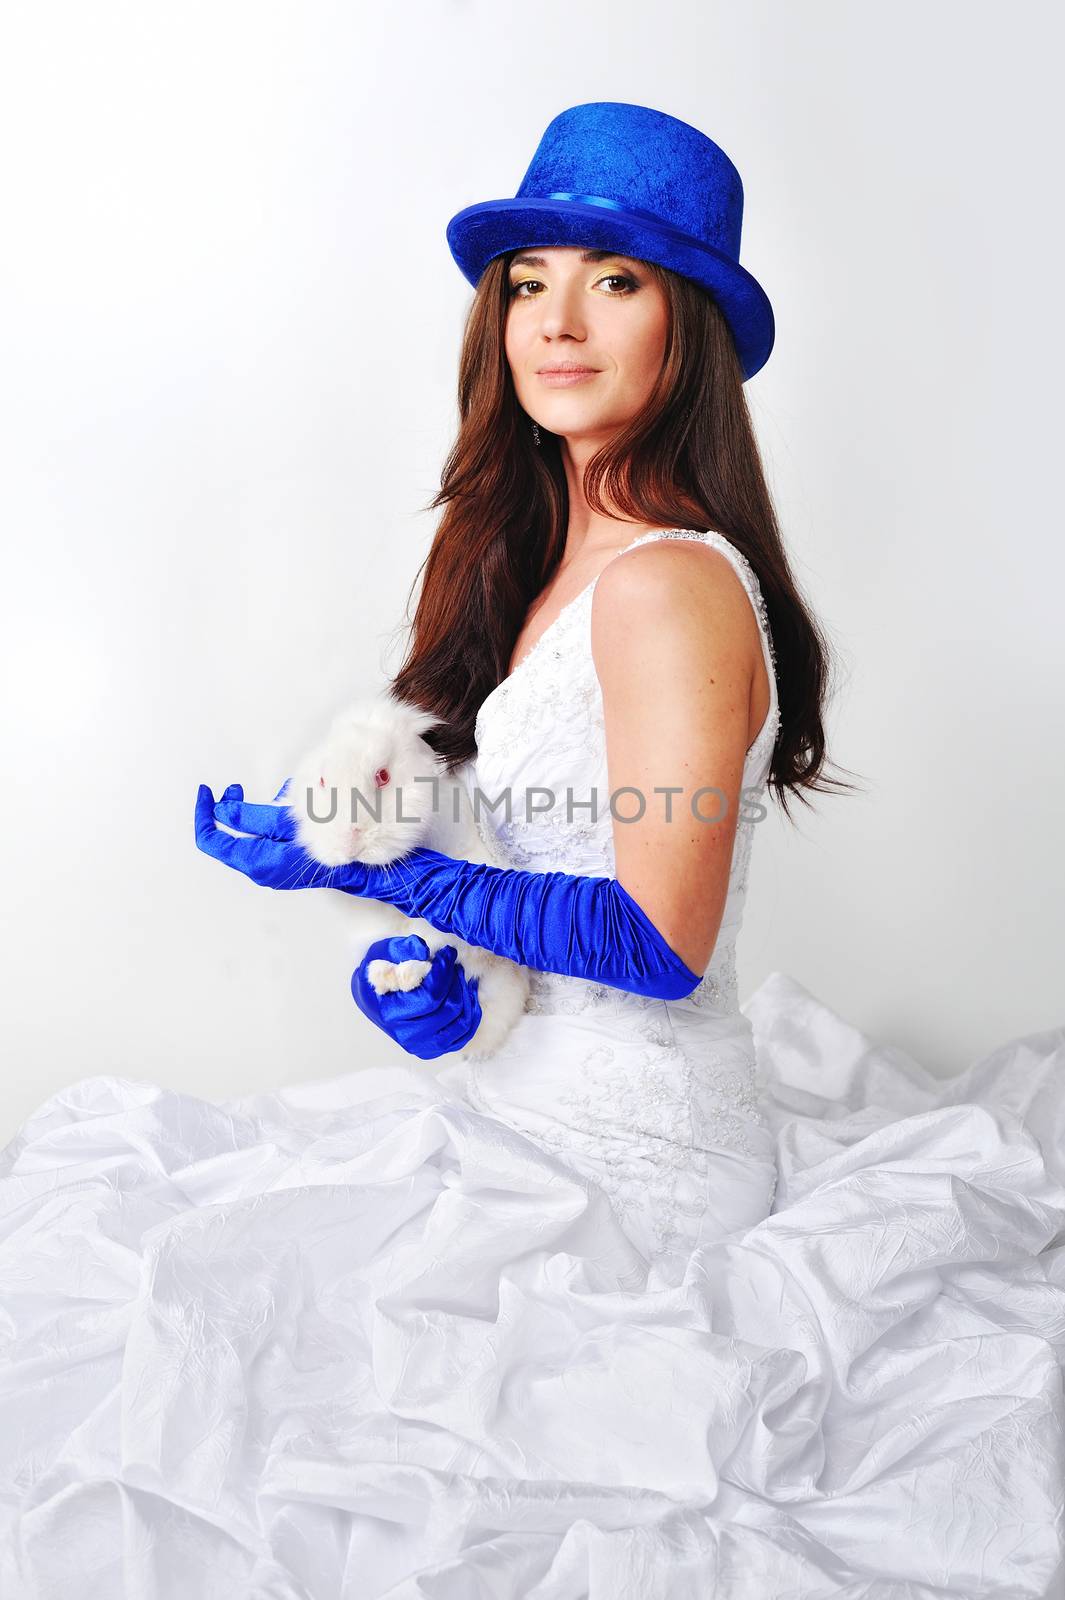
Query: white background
x=230 y=334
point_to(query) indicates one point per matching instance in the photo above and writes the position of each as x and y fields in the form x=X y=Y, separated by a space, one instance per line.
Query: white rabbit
x=372 y=790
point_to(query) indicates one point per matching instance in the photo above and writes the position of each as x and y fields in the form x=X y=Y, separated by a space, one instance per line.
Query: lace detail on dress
x=648 y=1127
x=562 y=836
x=718 y=989
x=554 y=994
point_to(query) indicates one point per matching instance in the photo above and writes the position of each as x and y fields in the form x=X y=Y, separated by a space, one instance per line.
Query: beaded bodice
x=541 y=769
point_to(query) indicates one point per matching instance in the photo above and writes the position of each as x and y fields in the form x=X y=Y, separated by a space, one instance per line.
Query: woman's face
x=586 y=308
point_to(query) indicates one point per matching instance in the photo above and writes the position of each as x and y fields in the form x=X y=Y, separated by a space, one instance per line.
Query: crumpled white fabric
x=358 y=1339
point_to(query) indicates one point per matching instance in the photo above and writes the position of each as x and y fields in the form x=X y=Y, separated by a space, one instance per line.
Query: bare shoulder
x=682 y=589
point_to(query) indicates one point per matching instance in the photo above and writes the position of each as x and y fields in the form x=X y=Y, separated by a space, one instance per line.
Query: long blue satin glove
x=580 y=927
x=439 y=1016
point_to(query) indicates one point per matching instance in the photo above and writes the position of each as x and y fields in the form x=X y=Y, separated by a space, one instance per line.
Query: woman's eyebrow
x=525 y=260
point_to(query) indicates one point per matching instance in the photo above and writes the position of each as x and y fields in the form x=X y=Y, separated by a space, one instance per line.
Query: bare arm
x=676 y=646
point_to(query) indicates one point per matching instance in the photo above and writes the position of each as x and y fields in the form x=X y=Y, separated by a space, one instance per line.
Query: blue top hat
x=611 y=176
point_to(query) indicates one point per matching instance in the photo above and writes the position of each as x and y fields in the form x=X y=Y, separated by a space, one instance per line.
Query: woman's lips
x=562 y=380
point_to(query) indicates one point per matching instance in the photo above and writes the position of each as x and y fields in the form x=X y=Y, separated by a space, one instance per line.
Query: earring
x=536 y=434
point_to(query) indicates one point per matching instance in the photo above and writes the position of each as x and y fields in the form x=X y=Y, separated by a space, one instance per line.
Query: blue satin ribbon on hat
x=629 y=211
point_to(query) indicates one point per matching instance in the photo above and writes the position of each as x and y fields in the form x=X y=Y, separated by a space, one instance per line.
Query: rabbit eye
x=321 y=783
x=381 y=777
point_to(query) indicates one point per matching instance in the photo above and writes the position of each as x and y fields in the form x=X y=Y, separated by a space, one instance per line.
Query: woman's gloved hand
x=270 y=856
x=442 y=1014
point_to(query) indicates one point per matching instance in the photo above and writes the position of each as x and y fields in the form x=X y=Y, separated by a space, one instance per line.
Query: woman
x=584 y=1320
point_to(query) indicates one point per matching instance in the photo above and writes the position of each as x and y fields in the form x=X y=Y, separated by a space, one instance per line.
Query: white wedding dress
x=668 y=1301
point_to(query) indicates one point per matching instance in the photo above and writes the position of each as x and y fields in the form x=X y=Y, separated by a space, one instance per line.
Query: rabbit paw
x=391 y=977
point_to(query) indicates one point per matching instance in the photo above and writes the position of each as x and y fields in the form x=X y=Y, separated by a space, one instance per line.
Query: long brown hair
x=688 y=459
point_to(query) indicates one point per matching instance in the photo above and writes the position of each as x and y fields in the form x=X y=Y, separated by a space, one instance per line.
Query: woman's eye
x=611 y=277
x=619 y=277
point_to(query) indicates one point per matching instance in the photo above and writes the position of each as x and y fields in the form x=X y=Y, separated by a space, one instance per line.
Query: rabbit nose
x=356 y=833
